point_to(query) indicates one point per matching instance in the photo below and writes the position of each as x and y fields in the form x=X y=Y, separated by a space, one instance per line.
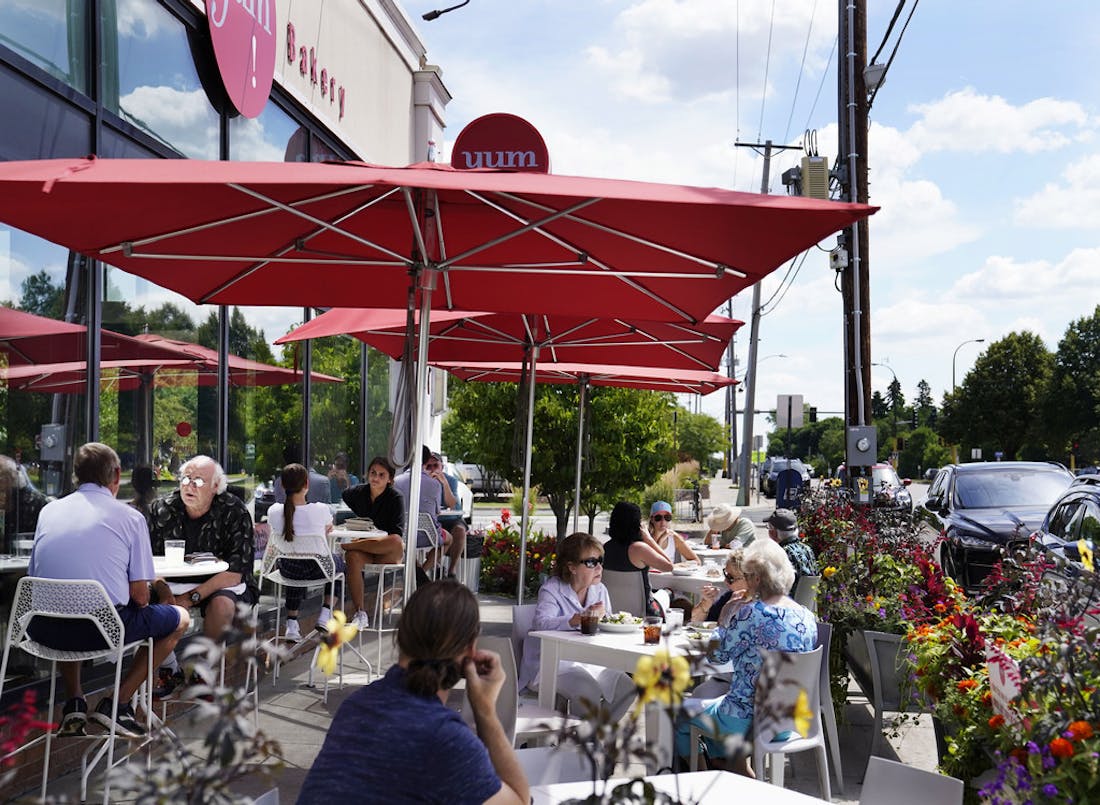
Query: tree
x=895 y=397
x=923 y=449
x=699 y=437
x=997 y=407
x=879 y=409
x=631 y=441
x=39 y=295
x=1071 y=405
x=924 y=406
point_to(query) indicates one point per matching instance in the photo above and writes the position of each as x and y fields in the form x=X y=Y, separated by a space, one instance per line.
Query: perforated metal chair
x=805 y=592
x=84 y=603
x=429 y=539
x=888 y=782
x=627 y=591
x=269 y=571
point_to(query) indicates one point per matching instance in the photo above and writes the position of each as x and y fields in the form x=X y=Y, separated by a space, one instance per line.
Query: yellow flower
x=661 y=678
x=828 y=572
x=803 y=715
x=1085 y=550
x=339 y=632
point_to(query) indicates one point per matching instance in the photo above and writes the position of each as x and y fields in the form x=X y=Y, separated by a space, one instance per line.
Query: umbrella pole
x=525 y=517
x=412 y=525
x=580 y=450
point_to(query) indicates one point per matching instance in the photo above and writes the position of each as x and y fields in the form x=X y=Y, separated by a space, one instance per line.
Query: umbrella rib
x=718 y=268
x=559 y=241
x=703 y=336
x=222 y=222
x=418 y=232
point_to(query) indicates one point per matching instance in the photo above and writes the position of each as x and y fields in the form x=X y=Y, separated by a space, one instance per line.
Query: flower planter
x=877 y=663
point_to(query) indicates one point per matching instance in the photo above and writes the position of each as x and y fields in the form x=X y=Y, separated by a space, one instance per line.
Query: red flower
x=1080 y=730
x=997 y=721
x=505 y=515
x=1061 y=748
x=1019 y=754
x=967 y=684
x=940 y=607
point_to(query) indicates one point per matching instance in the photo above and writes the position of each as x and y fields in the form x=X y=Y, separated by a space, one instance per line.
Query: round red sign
x=501 y=141
x=183 y=429
x=243 y=33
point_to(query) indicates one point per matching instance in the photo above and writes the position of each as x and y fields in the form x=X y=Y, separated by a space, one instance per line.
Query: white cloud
x=916 y=318
x=1038 y=282
x=182 y=118
x=968 y=121
x=141 y=19
x=1072 y=204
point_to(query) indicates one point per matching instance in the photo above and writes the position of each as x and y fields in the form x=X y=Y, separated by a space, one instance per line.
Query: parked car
x=985 y=508
x=930 y=473
x=1074 y=516
x=770 y=469
x=263 y=496
x=888 y=490
x=480 y=481
x=465 y=494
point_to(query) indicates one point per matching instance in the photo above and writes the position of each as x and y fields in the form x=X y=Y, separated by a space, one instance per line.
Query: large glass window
x=149 y=77
x=51 y=34
x=272 y=136
x=39 y=125
x=40 y=289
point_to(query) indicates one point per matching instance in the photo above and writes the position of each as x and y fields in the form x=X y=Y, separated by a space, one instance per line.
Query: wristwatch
x=196 y=596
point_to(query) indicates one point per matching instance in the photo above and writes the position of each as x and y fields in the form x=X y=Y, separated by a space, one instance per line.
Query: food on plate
x=686 y=565
x=620 y=617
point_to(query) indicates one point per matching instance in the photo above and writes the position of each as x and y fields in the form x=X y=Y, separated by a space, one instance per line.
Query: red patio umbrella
x=312 y=234
x=509 y=337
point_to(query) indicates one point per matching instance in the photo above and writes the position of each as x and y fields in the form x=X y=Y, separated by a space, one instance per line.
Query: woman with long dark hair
x=631 y=548
x=379 y=501
x=300 y=527
x=397 y=741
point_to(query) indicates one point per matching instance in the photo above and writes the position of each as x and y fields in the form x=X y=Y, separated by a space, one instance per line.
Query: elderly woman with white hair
x=768 y=621
x=728 y=527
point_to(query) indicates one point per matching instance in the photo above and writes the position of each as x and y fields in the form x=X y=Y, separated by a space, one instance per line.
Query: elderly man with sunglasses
x=209 y=519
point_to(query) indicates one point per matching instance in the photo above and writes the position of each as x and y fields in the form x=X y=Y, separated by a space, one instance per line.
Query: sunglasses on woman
x=665 y=517
x=732 y=579
x=591 y=561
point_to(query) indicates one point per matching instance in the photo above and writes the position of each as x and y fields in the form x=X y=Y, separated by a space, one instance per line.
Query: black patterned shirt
x=225 y=531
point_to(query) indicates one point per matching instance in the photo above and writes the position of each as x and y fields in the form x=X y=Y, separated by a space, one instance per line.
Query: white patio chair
x=805 y=592
x=888 y=782
x=429 y=539
x=269 y=571
x=84 y=603
x=828 y=712
x=627 y=591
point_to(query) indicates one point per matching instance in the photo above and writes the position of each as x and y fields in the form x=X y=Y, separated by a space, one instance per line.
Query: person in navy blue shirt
x=397 y=741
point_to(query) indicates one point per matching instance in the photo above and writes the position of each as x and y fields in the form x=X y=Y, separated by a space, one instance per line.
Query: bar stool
x=378 y=618
x=86 y=604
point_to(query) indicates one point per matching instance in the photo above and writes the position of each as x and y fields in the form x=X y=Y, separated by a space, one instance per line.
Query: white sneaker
x=323 y=619
x=293 y=631
x=361 y=621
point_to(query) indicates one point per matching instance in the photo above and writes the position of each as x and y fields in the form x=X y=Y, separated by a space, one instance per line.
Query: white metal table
x=698 y=786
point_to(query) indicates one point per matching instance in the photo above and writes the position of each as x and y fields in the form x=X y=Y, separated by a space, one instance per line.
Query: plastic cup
x=674 y=619
x=651 y=630
x=174 y=551
x=590 y=623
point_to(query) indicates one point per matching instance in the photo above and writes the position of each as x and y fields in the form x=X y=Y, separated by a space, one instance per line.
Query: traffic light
x=813 y=415
x=914 y=417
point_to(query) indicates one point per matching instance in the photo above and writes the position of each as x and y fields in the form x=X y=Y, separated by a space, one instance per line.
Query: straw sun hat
x=722 y=517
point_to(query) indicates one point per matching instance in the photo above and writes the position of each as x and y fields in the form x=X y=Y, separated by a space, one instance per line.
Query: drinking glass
x=174 y=551
x=652 y=629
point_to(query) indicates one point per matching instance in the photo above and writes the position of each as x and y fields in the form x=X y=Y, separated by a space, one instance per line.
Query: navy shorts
x=138 y=623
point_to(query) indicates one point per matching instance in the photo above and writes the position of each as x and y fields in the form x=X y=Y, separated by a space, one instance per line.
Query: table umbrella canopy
x=508 y=337
x=321 y=234
x=29 y=339
x=680 y=381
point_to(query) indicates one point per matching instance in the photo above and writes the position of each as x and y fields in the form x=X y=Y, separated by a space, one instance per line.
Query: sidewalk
x=296 y=717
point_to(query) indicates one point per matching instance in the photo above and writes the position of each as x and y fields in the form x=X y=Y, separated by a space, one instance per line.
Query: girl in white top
x=300 y=527
x=669 y=541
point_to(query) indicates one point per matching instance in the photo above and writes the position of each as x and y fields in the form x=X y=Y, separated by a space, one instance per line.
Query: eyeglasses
x=433 y=466
x=732 y=579
x=187 y=479
x=591 y=561
x=665 y=517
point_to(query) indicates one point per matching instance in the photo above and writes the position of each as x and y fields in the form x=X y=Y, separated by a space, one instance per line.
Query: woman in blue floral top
x=771 y=621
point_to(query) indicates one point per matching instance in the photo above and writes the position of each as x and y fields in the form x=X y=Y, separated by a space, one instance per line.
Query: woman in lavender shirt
x=574 y=588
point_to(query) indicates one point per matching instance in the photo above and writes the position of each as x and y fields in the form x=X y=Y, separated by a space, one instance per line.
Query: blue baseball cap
x=659 y=506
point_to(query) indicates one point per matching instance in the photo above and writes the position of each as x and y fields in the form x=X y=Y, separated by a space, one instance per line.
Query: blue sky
x=984 y=153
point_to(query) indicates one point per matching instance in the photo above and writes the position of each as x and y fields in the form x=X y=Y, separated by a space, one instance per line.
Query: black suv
x=1074 y=516
x=984 y=508
x=770 y=469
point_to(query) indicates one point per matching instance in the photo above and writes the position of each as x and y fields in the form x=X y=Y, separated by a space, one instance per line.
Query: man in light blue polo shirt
x=90 y=535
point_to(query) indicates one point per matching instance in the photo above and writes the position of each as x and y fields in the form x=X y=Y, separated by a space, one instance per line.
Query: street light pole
x=955 y=355
x=893 y=403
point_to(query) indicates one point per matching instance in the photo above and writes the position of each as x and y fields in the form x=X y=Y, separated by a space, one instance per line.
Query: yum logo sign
x=503 y=142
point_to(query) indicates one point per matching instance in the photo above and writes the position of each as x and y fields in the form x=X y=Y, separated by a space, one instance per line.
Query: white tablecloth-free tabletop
x=342 y=535
x=182 y=570
x=14 y=564
x=692 y=583
x=699 y=786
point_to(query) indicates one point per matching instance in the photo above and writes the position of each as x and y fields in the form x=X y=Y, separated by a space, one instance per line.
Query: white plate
x=684 y=571
x=620 y=627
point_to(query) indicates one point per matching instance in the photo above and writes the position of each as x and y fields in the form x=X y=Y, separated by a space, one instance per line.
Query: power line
x=824 y=74
x=767 y=66
x=801 y=70
x=893 y=53
x=889 y=28
x=785 y=284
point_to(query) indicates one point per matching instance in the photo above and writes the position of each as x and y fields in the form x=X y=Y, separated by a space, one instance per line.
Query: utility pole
x=852 y=170
x=731 y=402
x=754 y=333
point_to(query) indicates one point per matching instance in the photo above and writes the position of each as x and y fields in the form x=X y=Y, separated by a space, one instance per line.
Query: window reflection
x=49 y=33
x=154 y=84
x=272 y=136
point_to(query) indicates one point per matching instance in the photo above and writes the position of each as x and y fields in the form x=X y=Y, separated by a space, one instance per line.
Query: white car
x=465 y=494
